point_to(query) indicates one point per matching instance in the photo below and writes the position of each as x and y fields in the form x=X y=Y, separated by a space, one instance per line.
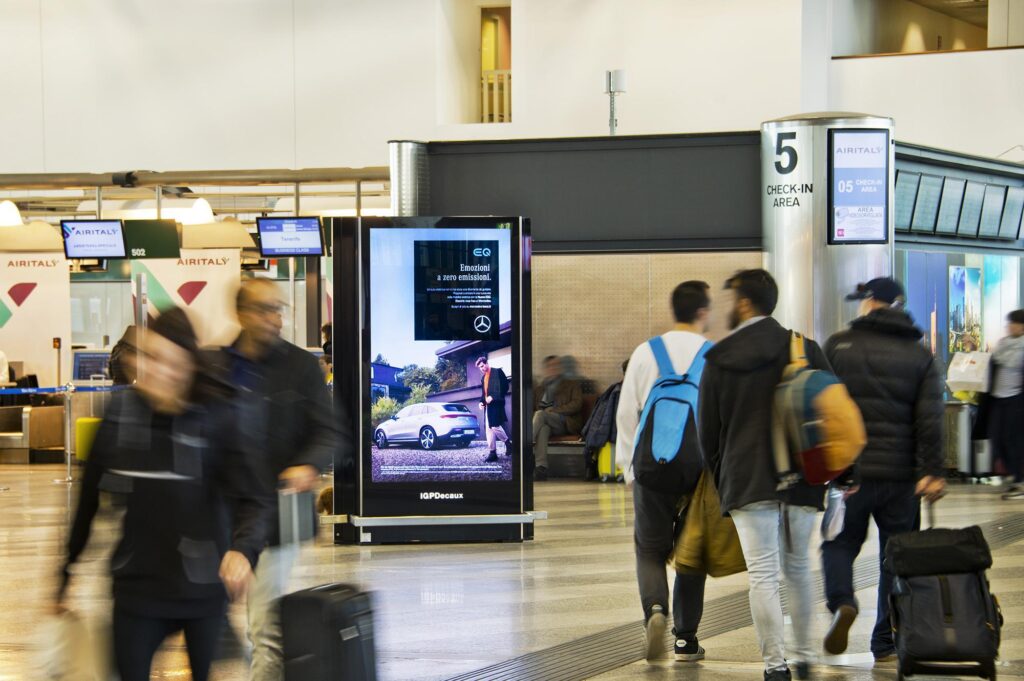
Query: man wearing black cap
x=895 y=382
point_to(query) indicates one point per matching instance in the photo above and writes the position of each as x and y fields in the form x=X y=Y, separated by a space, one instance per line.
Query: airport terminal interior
x=336 y=249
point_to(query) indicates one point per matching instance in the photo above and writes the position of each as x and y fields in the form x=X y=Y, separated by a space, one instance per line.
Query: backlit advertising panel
x=436 y=380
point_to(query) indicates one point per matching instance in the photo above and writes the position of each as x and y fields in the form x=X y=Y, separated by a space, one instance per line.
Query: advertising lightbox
x=436 y=296
x=93 y=238
x=858 y=188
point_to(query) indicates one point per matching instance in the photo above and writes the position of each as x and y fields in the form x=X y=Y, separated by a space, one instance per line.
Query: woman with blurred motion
x=195 y=517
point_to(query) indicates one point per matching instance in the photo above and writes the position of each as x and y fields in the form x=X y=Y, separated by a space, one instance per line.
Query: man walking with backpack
x=654 y=371
x=895 y=382
x=735 y=424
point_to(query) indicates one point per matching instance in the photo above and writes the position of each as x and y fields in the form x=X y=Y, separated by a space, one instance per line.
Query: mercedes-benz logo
x=482 y=324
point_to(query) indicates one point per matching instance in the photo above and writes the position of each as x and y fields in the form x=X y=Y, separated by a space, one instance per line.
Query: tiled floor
x=452 y=609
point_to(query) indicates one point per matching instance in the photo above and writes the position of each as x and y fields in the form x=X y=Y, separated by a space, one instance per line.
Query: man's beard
x=734 y=319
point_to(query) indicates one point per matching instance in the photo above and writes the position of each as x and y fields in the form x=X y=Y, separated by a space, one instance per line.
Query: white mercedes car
x=429 y=425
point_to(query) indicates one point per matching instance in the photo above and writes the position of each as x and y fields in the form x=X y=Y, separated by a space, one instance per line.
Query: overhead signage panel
x=152 y=239
x=93 y=238
x=287 y=237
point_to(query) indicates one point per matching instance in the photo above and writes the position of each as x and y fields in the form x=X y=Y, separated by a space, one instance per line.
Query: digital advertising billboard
x=439 y=386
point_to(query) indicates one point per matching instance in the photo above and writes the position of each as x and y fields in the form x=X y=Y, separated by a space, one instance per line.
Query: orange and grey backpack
x=817 y=429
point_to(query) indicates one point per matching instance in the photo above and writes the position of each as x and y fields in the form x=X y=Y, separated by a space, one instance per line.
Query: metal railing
x=496 y=96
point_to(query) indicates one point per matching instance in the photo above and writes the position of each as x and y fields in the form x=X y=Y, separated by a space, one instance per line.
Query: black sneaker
x=803 y=670
x=781 y=674
x=508 y=447
x=838 y=636
x=688 y=651
x=1015 y=494
x=655 y=631
x=492 y=457
x=541 y=473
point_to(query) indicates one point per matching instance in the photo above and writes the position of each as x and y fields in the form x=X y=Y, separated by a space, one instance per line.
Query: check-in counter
x=24 y=429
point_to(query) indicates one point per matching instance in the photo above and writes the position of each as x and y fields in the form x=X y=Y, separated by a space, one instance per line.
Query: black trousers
x=654 y=532
x=896 y=509
x=137 y=638
x=1006 y=434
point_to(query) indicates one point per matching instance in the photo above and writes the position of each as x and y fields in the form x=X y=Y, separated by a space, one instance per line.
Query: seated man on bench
x=559 y=403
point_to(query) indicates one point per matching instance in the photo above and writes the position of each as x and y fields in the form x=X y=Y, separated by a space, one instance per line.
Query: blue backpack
x=667 y=456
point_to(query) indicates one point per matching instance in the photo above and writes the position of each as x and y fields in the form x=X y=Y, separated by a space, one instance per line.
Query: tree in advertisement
x=383 y=409
x=453 y=374
x=414 y=375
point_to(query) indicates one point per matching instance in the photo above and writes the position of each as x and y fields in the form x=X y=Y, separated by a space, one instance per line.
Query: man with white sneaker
x=656 y=512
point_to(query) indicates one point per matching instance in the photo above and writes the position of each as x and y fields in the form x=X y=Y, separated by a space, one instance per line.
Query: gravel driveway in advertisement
x=439 y=465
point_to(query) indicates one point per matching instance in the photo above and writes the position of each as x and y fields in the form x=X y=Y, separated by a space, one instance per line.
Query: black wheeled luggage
x=328 y=635
x=944 y=618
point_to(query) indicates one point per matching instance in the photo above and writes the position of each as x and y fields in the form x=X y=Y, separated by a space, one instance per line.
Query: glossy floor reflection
x=449 y=610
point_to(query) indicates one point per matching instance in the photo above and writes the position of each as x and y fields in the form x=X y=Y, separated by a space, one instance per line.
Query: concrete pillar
x=827 y=226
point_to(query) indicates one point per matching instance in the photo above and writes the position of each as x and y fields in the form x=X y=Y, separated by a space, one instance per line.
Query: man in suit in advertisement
x=493 y=391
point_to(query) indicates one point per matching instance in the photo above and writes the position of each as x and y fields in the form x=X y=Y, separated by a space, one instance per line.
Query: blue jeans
x=896 y=509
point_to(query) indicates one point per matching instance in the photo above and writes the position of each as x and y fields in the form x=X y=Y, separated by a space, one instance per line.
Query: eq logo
x=482 y=252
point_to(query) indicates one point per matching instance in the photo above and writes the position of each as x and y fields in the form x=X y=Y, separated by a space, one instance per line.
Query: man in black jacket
x=895 y=382
x=285 y=413
x=494 y=389
x=735 y=424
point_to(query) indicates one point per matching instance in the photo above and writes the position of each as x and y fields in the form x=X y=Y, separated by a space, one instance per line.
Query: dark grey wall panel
x=672 y=192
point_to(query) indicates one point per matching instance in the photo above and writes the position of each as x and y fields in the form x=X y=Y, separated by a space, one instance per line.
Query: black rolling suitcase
x=944 y=618
x=328 y=635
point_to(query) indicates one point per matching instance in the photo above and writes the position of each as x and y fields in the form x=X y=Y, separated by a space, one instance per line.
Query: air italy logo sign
x=188 y=291
x=19 y=293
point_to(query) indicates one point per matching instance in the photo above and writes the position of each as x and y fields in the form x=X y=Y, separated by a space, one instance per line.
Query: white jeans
x=764 y=547
x=271 y=582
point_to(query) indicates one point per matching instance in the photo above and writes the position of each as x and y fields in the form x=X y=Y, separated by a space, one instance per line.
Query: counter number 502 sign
x=785 y=153
x=138 y=252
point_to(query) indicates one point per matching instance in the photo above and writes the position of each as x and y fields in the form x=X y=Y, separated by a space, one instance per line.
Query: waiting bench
x=565 y=452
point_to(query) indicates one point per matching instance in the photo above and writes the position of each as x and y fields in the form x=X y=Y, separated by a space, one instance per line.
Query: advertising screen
x=93 y=238
x=858 y=189
x=439 y=300
x=284 y=237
